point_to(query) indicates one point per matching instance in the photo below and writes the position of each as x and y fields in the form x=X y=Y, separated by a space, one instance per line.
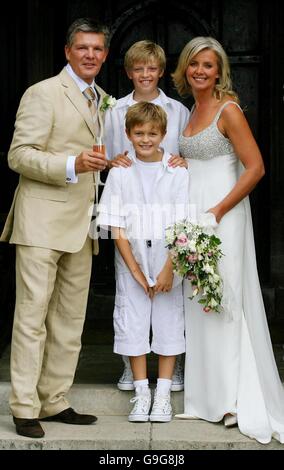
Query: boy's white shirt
x=116 y=139
x=122 y=205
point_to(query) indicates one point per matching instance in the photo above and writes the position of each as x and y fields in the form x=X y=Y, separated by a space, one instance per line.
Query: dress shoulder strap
x=224 y=106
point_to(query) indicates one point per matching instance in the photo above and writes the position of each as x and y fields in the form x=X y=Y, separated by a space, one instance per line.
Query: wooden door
x=252 y=35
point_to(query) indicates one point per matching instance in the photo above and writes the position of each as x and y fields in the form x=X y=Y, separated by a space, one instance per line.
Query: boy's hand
x=164 y=280
x=176 y=160
x=121 y=160
x=141 y=279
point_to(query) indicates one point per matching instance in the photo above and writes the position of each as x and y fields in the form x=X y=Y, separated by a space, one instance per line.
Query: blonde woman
x=230 y=369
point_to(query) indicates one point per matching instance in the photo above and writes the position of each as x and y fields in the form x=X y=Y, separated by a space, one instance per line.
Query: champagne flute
x=99 y=147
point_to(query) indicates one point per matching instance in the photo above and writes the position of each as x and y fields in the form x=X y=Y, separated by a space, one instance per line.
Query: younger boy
x=145 y=63
x=139 y=202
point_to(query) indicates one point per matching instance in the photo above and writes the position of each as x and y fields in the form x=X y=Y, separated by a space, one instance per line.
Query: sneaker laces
x=141 y=403
x=162 y=402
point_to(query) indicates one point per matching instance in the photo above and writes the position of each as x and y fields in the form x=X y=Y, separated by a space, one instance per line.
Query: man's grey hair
x=87 y=25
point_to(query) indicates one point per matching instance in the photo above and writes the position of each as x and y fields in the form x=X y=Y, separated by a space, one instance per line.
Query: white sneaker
x=126 y=380
x=177 y=378
x=162 y=408
x=140 y=411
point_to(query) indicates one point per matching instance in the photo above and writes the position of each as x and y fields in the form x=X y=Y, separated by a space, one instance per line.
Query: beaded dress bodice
x=208 y=143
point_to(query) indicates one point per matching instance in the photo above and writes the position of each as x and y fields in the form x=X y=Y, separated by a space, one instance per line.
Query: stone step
x=116 y=433
x=100 y=399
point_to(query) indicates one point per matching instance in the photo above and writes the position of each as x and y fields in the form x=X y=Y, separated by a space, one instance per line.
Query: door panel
x=251 y=33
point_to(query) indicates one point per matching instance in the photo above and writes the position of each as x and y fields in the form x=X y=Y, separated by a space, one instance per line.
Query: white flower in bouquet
x=213 y=304
x=195 y=292
x=208 y=269
x=170 y=235
x=192 y=246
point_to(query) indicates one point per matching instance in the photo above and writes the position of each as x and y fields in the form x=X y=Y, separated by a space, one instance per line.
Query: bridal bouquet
x=195 y=252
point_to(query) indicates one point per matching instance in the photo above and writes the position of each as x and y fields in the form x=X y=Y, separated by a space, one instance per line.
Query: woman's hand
x=208 y=219
x=217 y=213
x=177 y=160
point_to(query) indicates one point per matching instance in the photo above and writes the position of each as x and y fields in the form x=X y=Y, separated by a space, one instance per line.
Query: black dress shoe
x=28 y=427
x=69 y=416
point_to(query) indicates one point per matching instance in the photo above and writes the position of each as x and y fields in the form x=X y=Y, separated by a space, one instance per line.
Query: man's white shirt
x=71 y=176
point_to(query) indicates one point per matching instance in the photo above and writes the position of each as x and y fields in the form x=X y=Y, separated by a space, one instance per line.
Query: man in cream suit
x=49 y=223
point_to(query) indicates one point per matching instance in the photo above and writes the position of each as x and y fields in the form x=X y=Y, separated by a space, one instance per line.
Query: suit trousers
x=51 y=298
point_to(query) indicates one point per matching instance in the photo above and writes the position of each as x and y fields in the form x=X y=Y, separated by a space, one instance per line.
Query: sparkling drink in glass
x=99 y=146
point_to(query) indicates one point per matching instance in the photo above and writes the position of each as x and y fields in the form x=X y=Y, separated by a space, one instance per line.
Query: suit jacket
x=53 y=122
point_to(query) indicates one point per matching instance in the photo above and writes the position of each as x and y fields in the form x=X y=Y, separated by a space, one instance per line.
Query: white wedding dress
x=230 y=366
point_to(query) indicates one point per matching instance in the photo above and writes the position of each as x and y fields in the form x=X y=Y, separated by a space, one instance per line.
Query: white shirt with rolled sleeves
x=114 y=131
x=122 y=204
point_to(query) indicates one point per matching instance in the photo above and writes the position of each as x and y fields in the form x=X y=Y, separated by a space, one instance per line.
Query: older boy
x=145 y=63
x=138 y=202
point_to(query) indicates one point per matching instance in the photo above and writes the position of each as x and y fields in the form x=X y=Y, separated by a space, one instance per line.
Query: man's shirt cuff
x=71 y=176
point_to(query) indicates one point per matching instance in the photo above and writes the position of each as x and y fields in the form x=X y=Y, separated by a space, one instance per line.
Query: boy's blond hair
x=144 y=51
x=145 y=112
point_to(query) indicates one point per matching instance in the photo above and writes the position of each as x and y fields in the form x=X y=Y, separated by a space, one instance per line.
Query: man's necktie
x=91 y=97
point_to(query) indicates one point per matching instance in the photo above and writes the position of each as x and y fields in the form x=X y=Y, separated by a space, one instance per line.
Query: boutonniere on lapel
x=108 y=103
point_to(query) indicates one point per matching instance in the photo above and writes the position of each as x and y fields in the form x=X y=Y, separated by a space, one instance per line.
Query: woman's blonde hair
x=145 y=112
x=144 y=51
x=223 y=84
